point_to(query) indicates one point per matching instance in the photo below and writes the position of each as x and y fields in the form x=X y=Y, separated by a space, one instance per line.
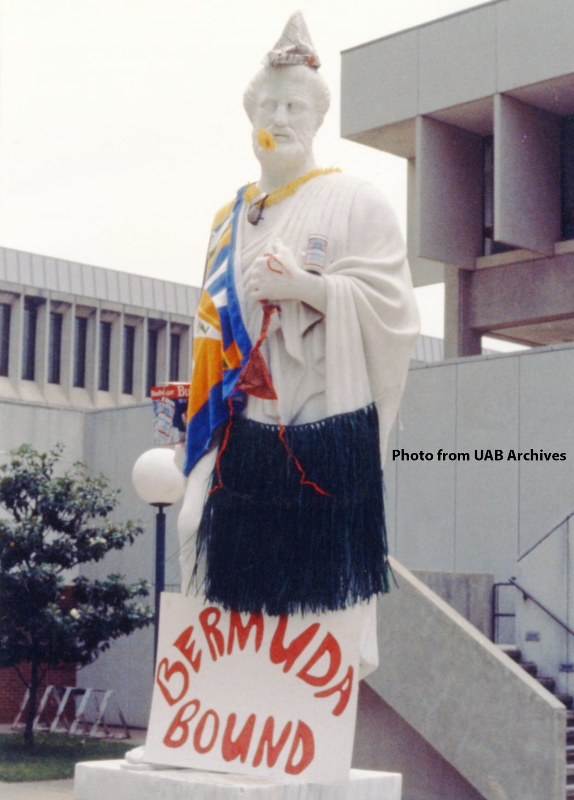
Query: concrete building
x=78 y=336
x=481 y=104
x=479 y=478
x=80 y=347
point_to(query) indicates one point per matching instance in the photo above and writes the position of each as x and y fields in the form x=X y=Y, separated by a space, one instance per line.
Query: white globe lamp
x=159 y=482
x=156 y=477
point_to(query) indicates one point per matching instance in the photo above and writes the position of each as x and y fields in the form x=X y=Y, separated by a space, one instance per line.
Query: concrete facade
x=37 y=366
x=106 y=429
x=481 y=515
x=469 y=594
x=501 y=733
x=481 y=104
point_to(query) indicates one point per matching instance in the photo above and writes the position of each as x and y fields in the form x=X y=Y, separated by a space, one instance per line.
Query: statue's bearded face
x=286 y=107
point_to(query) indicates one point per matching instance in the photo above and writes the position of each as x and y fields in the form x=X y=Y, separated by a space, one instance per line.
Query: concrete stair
x=549 y=683
x=570 y=754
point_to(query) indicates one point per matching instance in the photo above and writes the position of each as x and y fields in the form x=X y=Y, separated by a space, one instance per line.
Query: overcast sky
x=122 y=128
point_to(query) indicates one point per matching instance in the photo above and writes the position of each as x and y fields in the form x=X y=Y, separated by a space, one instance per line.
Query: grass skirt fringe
x=272 y=544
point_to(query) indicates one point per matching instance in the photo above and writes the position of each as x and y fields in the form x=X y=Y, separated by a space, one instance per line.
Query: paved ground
x=50 y=790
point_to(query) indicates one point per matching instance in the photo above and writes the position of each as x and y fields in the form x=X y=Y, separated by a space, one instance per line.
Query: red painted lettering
x=165 y=673
x=181 y=723
x=279 y=653
x=205 y=748
x=329 y=646
x=232 y=749
x=344 y=688
x=273 y=750
x=185 y=644
x=236 y=626
x=209 y=619
x=303 y=738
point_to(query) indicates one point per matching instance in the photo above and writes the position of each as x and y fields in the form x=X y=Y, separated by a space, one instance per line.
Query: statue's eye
x=297 y=106
x=269 y=105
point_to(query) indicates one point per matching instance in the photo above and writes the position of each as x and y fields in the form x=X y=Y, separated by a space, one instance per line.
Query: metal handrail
x=526 y=594
x=496 y=614
x=546 y=536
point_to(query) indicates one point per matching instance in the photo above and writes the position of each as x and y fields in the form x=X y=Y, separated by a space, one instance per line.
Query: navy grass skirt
x=276 y=545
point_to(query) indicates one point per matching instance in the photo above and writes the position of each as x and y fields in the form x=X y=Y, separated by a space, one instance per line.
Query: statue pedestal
x=103 y=780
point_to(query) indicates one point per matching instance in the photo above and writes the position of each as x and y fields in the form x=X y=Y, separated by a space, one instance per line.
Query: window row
x=103 y=345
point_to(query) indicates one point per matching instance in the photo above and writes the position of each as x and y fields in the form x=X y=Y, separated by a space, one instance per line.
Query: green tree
x=55 y=523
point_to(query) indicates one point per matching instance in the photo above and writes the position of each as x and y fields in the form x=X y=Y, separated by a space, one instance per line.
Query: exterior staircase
x=549 y=683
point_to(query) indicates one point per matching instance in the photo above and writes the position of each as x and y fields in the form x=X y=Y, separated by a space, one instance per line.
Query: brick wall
x=12 y=689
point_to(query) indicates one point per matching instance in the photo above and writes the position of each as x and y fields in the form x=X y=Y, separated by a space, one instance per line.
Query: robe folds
x=352 y=356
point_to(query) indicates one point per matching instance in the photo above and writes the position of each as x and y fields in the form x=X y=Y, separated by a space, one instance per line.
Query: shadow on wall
x=383 y=740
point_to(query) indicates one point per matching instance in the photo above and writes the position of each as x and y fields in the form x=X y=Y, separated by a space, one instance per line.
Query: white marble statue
x=301 y=349
x=323 y=253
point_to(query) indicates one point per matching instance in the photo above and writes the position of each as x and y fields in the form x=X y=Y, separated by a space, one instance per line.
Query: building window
x=174 y=345
x=5 y=310
x=55 y=347
x=29 y=341
x=151 y=360
x=128 y=368
x=80 y=349
x=104 y=356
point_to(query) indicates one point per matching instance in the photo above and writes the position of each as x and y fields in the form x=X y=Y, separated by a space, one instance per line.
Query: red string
x=282 y=271
x=303 y=480
x=268 y=309
x=222 y=449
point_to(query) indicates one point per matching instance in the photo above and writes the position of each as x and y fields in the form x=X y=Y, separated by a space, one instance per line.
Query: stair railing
x=553 y=530
x=528 y=596
x=496 y=614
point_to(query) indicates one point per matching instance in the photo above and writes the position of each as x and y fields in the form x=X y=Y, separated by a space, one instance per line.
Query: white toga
x=356 y=353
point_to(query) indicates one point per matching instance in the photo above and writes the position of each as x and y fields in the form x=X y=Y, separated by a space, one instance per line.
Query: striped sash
x=221 y=343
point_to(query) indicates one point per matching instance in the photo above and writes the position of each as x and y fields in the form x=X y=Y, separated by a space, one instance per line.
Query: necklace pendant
x=255 y=210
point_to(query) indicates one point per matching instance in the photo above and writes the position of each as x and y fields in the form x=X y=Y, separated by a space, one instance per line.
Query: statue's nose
x=281 y=114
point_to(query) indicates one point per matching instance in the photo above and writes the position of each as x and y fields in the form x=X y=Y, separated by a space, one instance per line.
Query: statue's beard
x=287 y=155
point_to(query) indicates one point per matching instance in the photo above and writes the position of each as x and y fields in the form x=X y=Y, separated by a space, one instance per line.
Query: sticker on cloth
x=255 y=695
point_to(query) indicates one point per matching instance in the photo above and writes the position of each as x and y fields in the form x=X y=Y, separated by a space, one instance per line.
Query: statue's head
x=287 y=100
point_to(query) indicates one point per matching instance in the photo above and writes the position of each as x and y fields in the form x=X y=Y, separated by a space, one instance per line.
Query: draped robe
x=354 y=354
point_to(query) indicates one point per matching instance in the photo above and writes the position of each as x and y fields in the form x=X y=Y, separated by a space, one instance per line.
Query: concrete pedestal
x=104 y=780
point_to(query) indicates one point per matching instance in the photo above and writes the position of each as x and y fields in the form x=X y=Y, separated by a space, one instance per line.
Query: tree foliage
x=50 y=615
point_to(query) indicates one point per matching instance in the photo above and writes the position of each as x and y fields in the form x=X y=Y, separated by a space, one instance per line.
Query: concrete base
x=103 y=780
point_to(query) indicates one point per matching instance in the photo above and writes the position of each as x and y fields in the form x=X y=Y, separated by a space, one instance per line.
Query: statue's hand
x=276 y=275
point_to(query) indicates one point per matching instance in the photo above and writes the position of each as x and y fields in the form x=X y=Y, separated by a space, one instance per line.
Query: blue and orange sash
x=221 y=344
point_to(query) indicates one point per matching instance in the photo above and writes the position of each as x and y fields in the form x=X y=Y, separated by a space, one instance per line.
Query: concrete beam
x=519 y=294
x=459 y=337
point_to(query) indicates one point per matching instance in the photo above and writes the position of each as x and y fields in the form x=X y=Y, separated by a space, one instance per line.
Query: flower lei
x=258 y=199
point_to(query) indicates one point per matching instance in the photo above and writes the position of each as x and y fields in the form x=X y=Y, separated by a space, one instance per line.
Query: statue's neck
x=274 y=176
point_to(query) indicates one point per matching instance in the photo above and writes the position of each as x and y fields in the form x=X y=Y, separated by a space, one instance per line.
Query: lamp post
x=159 y=482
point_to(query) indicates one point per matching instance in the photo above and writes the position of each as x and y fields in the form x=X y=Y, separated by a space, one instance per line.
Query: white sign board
x=252 y=694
